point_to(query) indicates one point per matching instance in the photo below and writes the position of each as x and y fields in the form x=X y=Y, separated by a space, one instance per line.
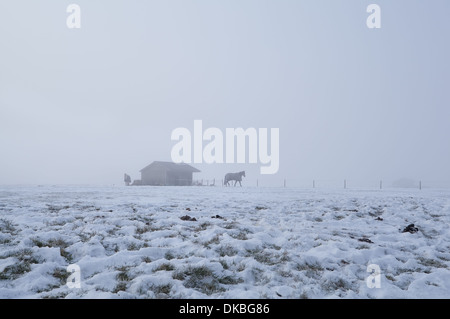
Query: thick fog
x=85 y=106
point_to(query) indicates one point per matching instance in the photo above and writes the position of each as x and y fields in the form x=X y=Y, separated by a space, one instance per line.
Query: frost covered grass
x=213 y=242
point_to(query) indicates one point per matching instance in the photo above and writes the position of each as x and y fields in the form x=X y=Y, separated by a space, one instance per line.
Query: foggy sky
x=87 y=105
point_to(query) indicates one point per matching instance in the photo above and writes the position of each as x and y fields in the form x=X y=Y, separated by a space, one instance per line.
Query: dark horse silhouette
x=236 y=177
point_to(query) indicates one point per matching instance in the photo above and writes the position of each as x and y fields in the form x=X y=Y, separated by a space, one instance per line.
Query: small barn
x=167 y=174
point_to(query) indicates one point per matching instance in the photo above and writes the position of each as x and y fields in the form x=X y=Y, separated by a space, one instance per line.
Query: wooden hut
x=167 y=174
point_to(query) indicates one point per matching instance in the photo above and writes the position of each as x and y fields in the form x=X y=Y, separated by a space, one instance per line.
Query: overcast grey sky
x=87 y=105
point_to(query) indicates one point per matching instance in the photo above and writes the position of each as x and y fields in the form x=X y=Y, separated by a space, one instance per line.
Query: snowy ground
x=132 y=242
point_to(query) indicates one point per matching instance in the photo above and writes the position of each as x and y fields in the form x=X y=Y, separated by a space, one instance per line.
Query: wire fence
x=329 y=184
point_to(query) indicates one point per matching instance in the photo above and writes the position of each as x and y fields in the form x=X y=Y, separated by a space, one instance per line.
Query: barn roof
x=172 y=167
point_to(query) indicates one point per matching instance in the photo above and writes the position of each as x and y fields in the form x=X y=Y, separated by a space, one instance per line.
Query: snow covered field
x=214 y=242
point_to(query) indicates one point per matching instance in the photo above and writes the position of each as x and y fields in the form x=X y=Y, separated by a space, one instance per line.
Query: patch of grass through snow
x=6 y=226
x=226 y=250
x=267 y=257
x=431 y=263
x=312 y=269
x=123 y=278
x=336 y=284
x=25 y=259
x=56 y=243
x=164 y=267
x=203 y=279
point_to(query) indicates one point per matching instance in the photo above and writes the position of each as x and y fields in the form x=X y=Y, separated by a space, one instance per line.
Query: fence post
x=284 y=182
x=257 y=183
x=420 y=185
x=381 y=184
x=345 y=183
x=314 y=184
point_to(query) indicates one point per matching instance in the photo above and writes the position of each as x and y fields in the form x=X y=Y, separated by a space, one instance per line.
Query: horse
x=236 y=177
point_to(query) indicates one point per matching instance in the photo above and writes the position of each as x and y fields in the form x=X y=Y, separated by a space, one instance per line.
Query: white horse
x=236 y=177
